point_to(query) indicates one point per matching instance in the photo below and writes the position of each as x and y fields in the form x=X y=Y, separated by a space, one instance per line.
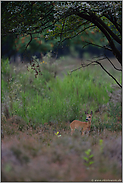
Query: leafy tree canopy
x=65 y=20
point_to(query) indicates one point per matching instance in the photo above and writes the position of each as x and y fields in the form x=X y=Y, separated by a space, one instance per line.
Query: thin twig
x=28 y=45
x=88 y=43
x=109 y=73
x=82 y=65
x=77 y=33
x=98 y=63
x=113 y=64
x=29 y=41
x=76 y=69
x=62 y=31
x=98 y=59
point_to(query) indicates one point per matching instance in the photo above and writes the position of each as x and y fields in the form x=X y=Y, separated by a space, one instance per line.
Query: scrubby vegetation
x=36 y=112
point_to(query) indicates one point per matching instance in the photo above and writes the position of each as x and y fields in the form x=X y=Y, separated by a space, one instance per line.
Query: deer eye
x=89 y=116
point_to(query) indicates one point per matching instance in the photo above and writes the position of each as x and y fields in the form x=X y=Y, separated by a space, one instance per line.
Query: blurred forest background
x=60 y=59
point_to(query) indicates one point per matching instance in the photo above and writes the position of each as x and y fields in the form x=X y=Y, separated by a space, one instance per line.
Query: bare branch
x=112 y=45
x=107 y=48
x=118 y=27
x=70 y=37
x=103 y=59
x=97 y=21
x=95 y=61
x=114 y=36
x=109 y=74
x=105 y=30
x=113 y=64
x=76 y=69
x=29 y=41
x=98 y=63
x=88 y=43
x=60 y=42
x=62 y=30
x=82 y=65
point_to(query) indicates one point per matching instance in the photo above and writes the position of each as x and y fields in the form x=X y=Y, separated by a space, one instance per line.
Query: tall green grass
x=48 y=99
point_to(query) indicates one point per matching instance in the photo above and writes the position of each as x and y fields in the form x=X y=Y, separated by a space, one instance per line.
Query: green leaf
x=85 y=158
x=91 y=156
x=91 y=162
x=88 y=151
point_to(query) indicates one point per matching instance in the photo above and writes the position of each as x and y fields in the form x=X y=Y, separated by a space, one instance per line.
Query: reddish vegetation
x=40 y=155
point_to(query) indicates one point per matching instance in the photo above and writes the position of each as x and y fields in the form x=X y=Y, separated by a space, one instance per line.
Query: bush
x=44 y=99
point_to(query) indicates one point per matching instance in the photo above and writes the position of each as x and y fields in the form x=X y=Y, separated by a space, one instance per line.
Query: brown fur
x=84 y=126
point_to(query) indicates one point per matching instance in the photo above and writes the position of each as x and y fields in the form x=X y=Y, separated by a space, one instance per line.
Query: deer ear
x=91 y=112
x=85 y=112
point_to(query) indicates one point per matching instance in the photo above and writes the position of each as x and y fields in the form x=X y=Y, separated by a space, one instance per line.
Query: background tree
x=66 y=20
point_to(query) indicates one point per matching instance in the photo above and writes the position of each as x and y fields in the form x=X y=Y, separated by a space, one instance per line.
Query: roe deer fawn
x=84 y=126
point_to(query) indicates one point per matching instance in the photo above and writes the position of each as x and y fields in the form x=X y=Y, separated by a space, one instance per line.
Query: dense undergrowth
x=48 y=99
x=36 y=108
